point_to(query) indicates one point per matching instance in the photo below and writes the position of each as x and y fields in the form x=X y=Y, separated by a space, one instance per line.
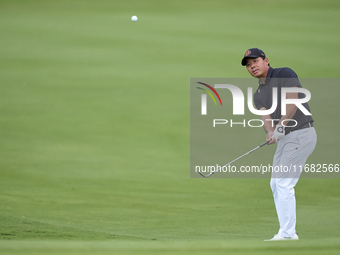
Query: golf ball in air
x=134 y=18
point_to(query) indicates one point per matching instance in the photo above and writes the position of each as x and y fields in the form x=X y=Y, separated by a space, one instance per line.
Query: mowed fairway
x=94 y=126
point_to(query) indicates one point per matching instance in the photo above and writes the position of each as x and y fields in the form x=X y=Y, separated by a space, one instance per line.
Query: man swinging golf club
x=295 y=140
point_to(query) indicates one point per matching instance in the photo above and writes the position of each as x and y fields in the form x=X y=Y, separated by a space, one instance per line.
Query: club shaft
x=258 y=147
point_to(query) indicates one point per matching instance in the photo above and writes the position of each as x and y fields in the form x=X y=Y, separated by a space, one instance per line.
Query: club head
x=205 y=176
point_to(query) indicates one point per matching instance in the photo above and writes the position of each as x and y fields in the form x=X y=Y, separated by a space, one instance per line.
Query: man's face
x=258 y=67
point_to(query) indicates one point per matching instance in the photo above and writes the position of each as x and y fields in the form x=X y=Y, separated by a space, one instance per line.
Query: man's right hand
x=270 y=137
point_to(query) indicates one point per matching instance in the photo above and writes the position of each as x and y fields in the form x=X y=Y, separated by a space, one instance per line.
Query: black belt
x=306 y=125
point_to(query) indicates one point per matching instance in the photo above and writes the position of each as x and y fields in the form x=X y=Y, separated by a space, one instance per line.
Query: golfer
x=293 y=133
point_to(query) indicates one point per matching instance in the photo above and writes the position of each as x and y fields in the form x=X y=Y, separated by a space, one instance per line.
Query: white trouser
x=291 y=153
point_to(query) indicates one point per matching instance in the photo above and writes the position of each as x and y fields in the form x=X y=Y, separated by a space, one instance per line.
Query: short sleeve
x=289 y=78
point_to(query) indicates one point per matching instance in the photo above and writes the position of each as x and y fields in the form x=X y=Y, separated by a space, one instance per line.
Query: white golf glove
x=279 y=132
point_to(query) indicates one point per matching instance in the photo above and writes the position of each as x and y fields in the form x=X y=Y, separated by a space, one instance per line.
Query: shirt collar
x=269 y=75
x=270 y=72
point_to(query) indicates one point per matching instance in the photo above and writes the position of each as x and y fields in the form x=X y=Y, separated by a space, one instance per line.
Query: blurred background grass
x=94 y=124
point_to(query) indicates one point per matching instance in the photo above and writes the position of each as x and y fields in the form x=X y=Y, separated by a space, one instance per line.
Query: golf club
x=208 y=175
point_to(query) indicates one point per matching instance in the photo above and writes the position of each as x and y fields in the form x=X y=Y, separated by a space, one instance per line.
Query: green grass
x=94 y=126
x=329 y=246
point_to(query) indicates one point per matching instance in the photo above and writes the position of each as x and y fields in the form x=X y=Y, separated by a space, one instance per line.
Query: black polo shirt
x=263 y=96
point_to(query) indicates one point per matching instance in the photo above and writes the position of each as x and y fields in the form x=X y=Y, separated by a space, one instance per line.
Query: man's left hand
x=279 y=132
